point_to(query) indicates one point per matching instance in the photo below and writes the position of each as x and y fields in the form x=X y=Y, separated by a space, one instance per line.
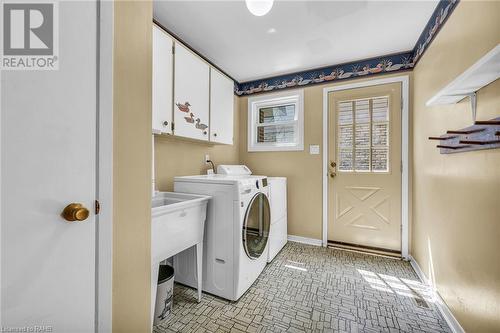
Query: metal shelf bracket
x=473 y=105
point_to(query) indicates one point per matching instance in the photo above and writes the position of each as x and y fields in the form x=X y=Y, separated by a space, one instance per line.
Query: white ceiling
x=295 y=35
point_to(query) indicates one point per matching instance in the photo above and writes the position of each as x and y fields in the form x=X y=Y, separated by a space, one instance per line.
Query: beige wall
x=178 y=157
x=132 y=166
x=456 y=205
x=304 y=171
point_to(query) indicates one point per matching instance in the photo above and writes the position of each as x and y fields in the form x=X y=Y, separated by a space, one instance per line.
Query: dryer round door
x=256 y=226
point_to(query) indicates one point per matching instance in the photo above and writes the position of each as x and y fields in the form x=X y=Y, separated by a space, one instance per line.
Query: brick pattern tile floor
x=314 y=289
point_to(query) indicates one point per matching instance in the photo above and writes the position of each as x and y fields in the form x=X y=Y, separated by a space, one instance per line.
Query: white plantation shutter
x=380 y=134
x=363 y=135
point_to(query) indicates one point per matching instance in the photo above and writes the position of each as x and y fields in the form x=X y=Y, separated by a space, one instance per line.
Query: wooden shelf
x=482 y=73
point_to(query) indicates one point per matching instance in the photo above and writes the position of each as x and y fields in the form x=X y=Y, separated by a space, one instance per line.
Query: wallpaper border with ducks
x=373 y=66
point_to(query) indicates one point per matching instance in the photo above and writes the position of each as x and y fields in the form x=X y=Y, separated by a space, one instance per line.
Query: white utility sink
x=178 y=221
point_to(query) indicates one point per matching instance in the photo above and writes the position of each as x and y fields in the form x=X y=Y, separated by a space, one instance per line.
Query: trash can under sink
x=164 y=294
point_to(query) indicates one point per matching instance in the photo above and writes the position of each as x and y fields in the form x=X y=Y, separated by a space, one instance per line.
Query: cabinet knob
x=165 y=123
x=204 y=132
x=215 y=134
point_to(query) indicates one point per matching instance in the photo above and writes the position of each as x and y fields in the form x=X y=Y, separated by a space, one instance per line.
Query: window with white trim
x=276 y=122
x=363 y=135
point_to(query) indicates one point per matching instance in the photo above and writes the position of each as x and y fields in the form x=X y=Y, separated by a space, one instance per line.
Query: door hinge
x=173 y=49
x=97 y=207
x=173 y=127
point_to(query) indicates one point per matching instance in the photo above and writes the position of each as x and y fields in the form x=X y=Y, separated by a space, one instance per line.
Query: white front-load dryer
x=236 y=233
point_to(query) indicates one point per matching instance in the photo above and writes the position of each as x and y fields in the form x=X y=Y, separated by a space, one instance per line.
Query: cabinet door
x=162 y=82
x=191 y=95
x=221 y=107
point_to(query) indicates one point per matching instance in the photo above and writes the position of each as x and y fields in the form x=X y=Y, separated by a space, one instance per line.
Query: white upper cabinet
x=191 y=99
x=191 y=95
x=221 y=107
x=162 y=82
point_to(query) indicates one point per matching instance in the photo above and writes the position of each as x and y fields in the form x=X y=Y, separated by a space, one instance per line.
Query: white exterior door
x=48 y=160
x=162 y=81
x=365 y=167
x=191 y=95
x=221 y=107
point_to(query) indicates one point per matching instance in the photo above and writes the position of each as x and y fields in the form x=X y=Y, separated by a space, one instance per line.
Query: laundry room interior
x=437 y=265
x=253 y=166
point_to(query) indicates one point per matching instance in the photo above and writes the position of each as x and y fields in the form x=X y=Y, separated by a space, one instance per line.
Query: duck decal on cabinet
x=183 y=107
x=199 y=125
x=190 y=119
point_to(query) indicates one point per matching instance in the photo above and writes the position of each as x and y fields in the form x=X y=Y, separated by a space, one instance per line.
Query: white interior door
x=365 y=167
x=48 y=160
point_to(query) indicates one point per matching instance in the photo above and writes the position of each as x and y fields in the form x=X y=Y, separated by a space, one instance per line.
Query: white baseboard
x=443 y=308
x=305 y=240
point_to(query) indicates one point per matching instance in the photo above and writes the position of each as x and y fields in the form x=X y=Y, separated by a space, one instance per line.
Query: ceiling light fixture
x=259 y=7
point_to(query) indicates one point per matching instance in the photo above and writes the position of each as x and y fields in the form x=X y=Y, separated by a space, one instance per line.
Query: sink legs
x=199 y=267
x=155 y=267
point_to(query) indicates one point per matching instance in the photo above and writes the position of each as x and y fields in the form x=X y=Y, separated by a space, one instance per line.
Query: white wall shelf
x=482 y=73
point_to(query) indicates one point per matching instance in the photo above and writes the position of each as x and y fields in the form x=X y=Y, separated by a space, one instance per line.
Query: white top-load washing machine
x=236 y=231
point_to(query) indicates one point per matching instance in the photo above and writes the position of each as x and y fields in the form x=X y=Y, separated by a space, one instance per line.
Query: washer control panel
x=261 y=183
x=249 y=185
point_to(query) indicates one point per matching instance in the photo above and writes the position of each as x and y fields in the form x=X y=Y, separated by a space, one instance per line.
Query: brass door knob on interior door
x=75 y=212
x=332 y=174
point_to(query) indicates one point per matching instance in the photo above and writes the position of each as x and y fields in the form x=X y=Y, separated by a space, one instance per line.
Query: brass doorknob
x=75 y=212
x=332 y=174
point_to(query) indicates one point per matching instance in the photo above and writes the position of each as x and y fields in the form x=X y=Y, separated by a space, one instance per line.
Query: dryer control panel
x=237 y=170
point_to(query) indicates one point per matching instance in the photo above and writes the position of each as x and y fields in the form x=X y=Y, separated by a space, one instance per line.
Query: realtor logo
x=29 y=38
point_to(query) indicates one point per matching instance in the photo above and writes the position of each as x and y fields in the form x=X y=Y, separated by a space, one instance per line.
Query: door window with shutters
x=276 y=122
x=363 y=135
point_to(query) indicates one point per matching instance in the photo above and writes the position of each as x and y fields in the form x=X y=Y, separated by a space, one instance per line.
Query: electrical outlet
x=207 y=158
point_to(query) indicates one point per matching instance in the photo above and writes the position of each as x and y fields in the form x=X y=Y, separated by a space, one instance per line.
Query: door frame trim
x=405 y=176
x=104 y=182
